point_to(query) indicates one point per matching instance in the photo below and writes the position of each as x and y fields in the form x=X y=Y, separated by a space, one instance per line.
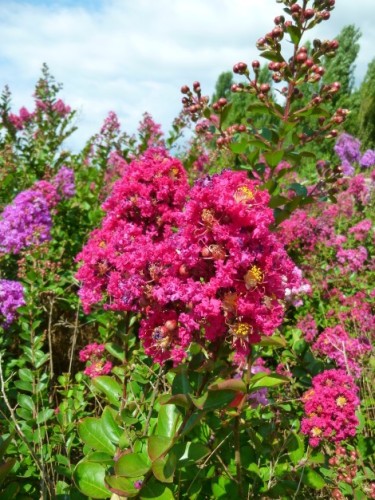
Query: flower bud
x=185 y=89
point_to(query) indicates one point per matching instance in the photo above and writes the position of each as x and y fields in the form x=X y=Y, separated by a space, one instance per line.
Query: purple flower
x=64 y=182
x=368 y=159
x=11 y=298
x=347 y=148
x=26 y=221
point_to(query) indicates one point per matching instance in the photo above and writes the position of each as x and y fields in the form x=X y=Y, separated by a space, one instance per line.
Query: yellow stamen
x=253 y=277
x=316 y=431
x=243 y=194
x=341 y=401
x=241 y=329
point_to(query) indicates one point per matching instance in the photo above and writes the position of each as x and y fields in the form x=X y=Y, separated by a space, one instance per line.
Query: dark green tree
x=366 y=112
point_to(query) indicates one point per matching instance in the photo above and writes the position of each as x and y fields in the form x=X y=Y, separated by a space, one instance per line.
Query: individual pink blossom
x=91 y=351
x=98 y=368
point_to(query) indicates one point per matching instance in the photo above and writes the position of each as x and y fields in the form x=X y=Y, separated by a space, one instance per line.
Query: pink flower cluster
x=330 y=407
x=150 y=132
x=205 y=269
x=336 y=344
x=93 y=353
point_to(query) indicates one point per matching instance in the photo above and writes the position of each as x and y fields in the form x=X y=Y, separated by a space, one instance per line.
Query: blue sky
x=133 y=56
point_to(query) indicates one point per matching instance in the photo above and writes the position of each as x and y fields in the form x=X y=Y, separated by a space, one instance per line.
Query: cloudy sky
x=133 y=56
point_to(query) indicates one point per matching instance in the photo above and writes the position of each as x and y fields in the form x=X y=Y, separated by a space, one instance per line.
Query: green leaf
x=273 y=158
x=191 y=452
x=272 y=55
x=313 y=479
x=110 y=387
x=100 y=457
x=299 y=189
x=181 y=383
x=273 y=341
x=91 y=431
x=45 y=415
x=111 y=428
x=296 y=447
x=295 y=34
x=224 y=114
x=26 y=402
x=178 y=400
x=168 y=421
x=232 y=384
x=238 y=147
x=89 y=479
x=26 y=375
x=132 y=465
x=4 y=443
x=267 y=381
x=277 y=200
x=122 y=486
x=164 y=467
x=115 y=350
x=218 y=399
x=157 y=491
x=157 y=445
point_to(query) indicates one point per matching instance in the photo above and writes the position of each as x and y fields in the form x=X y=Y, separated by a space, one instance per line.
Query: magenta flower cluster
x=200 y=265
x=27 y=220
x=330 y=407
x=98 y=365
x=337 y=345
x=11 y=298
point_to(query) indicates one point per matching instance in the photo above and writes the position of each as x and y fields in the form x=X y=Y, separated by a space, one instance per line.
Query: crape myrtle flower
x=330 y=407
x=98 y=365
x=230 y=275
x=11 y=298
x=203 y=270
x=27 y=220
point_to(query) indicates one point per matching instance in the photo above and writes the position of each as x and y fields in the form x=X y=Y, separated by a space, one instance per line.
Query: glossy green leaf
x=132 y=465
x=45 y=415
x=296 y=447
x=313 y=479
x=295 y=34
x=178 y=400
x=122 y=486
x=191 y=452
x=156 y=491
x=91 y=432
x=273 y=341
x=169 y=419
x=181 y=383
x=277 y=200
x=99 y=457
x=111 y=428
x=26 y=402
x=238 y=147
x=115 y=350
x=218 y=399
x=89 y=479
x=163 y=468
x=267 y=381
x=110 y=387
x=273 y=158
x=232 y=384
x=157 y=445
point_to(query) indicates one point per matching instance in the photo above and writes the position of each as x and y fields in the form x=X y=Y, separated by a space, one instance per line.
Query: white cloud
x=131 y=56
